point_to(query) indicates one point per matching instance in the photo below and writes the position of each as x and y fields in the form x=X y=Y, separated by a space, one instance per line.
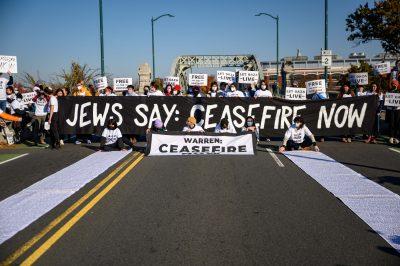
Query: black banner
x=88 y=115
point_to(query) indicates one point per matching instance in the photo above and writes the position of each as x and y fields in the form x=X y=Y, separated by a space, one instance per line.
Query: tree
x=381 y=22
x=76 y=74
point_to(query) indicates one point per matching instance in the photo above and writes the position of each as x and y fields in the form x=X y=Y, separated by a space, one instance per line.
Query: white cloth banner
x=248 y=77
x=295 y=93
x=121 y=83
x=28 y=96
x=171 y=80
x=100 y=83
x=8 y=64
x=315 y=86
x=226 y=76
x=382 y=68
x=200 y=144
x=392 y=99
x=358 y=78
x=198 y=79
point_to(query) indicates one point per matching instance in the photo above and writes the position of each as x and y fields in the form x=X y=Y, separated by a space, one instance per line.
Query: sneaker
x=88 y=141
x=395 y=141
x=344 y=140
x=42 y=142
x=77 y=142
x=349 y=140
x=391 y=141
x=61 y=142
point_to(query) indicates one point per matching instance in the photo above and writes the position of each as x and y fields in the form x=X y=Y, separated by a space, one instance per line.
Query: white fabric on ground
x=374 y=204
x=20 y=210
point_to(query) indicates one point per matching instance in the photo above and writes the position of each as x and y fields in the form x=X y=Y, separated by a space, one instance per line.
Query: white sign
x=326 y=52
x=28 y=96
x=121 y=83
x=100 y=83
x=200 y=144
x=295 y=93
x=248 y=77
x=382 y=68
x=226 y=76
x=326 y=57
x=171 y=80
x=315 y=86
x=392 y=99
x=358 y=78
x=8 y=64
x=198 y=79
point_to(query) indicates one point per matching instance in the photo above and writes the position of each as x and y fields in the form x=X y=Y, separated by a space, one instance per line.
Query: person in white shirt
x=17 y=106
x=112 y=139
x=4 y=83
x=224 y=127
x=153 y=90
x=191 y=125
x=131 y=91
x=251 y=126
x=234 y=92
x=108 y=91
x=361 y=92
x=40 y=105
x=263 y=91
x=298 y=137
x=53 y=117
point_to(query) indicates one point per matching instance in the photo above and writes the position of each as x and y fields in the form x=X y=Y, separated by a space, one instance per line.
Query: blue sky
x=47 y=35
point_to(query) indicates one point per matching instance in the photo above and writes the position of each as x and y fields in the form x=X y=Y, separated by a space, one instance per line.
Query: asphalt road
x=215 y=210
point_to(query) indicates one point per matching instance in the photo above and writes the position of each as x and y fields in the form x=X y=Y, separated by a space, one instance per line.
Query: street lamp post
x=101 y=37
x=152 y=40
x=326 y=39
x=277 y=41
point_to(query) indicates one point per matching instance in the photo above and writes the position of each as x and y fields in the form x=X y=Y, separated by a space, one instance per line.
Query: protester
x=153 y=90
x=177 y=90
x=91 y=89
x=191 y=125
x=346 y=92
x=10 y=96
x=108 y=91
x=4 y=83
x=360 y=91
x=375 y=130
x=168 y=90
x=214 y=91
x=40 y=103
x=225 y=127
x=394 y=115
x=81 y=90
x=223 y=88
x=298 y=137
x=146 y=90
x=17 y=106
x=131 y=91
x=250 y=126
x=263 y=91
x=53 y=118
x=196 y=92
x=66 y=91
x=157 y=126
x=111 y=138
x=317 y=97
x=234 y=92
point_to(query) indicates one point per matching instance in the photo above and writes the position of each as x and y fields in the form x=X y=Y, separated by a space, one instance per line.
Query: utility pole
x=326 y=39
x=101 y=37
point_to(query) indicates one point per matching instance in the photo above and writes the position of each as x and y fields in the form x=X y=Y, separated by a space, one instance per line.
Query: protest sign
x=392 y=99
x=8 y=64
x=121 y=83
x=226 y=76
x=382 y=68
x=295 y=93
x=181 y=143
x=198 y=79
x=100 y=83
x=248 y=77
x=27 y=97
x=315 y=86
x=171 y=80
x=358 y=78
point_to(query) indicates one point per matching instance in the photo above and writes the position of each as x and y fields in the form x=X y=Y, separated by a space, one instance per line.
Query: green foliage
x=381 y=22
x=76 y=74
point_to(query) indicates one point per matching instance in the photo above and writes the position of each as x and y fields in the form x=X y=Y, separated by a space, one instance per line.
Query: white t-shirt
x=41 y=105
x=230 y=129
x=195 y=129
x=261 y=93
x=54 y=102
x=16 y=105
x=3 y=86
x=235 y=94
x=155 y=93
x=364 y=93
x=297 y=135
x=111 y=135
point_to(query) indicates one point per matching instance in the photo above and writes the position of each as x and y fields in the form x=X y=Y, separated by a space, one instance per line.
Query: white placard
x=295 y=93
x=198 y=79
x=201 y=144
x=326 y=52
x=315 y=86
x=28 y=96
x=171 y=80
x=100 y=83
x=8 y=64
x=248 y=77
x=226 y=76
x=121 y=83
x=326 y=60
x=382 y=68
x=392 y=99
x=358 y=78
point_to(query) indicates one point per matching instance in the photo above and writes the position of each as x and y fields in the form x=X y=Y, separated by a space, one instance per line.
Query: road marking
x=9 y=160
x=19 y=252
x=68 y=225
x=395 y=150
x=273 y=155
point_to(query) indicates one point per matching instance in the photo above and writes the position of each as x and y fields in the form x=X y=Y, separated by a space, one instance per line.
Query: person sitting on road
x=191 y=125
x=111 y=138
x=298 y=137
x=156 y=127
x=225 y=127
x=250 y=126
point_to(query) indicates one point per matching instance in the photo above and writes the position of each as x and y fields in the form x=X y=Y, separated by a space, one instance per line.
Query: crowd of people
x=39 y=120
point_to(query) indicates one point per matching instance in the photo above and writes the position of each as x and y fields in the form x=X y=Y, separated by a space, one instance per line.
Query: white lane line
x=273 y=155
x=9 y=160
x=395 y=150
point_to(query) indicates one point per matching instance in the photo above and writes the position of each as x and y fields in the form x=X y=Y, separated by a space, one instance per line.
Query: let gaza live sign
x=8 y=64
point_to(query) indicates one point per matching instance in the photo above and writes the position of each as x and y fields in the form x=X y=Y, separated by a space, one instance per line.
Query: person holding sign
x=298 y=137
x=394 y=115
x=346 y=92
x=225 y=127
x=263 y=91
x=191 y=125
x=4 y=83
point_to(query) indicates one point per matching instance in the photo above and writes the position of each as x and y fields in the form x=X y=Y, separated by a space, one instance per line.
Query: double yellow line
x=133 y=160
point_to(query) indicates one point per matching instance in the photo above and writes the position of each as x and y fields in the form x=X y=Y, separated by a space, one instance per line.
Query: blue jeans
x=3 y=105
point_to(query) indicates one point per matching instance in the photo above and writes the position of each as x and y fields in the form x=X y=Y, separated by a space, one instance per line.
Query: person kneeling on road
x=111 y=138
x=225 y=127
x=191 y=125
x=295 y=137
